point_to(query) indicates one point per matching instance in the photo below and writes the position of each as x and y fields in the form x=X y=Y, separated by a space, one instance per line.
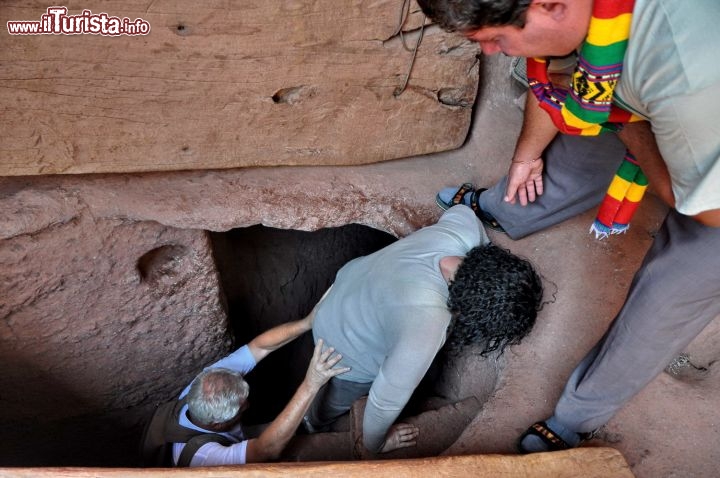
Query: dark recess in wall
x=270 y=276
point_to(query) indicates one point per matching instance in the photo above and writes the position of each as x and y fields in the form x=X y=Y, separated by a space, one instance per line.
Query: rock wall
x=98 y=317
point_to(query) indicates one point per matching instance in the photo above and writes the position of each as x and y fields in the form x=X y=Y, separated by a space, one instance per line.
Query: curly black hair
x=470 y=15
x=494 y=299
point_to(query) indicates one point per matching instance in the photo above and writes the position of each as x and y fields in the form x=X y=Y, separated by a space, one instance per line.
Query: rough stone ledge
x=302 y=198
x=585 y=462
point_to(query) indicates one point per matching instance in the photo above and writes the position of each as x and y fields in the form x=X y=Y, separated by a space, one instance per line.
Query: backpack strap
x=173 y=431
x=194 y=444
x=193 y=439
x=161 y=430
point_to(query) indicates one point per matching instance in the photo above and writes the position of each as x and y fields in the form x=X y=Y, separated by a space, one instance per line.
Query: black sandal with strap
x=457 y=198
x=486 y=218
x=549 y=437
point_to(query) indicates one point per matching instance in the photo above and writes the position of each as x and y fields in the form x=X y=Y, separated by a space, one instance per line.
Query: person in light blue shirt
x=392 y=311
x=217 y=397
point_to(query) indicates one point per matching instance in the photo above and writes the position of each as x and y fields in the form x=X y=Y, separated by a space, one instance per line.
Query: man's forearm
x=278 y=336
x=640 y=140
x=273 y=440
x=537 y=131
x=710 y=217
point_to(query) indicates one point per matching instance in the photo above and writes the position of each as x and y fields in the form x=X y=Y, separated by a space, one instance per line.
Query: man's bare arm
x=711 y=217
x=273 y=339
x=525 y=175
x=640 y=140
x=273 y=440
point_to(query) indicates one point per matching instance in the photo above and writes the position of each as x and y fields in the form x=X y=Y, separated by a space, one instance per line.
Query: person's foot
x=467 y=195
x=549 y=435
x=445 y=198
x=450 y=197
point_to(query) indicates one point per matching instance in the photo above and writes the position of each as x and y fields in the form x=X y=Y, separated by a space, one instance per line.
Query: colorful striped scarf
x=587 y=109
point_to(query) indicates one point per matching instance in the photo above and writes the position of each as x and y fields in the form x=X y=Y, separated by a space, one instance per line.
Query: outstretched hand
x=400 y=435
x=322 y=365
x=524 y=181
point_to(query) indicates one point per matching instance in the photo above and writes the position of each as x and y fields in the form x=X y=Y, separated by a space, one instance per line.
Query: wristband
x=526 y=162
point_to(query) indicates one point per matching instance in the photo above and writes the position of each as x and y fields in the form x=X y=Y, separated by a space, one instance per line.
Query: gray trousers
x=578 y=171
x=673 y=296
x=333 y=400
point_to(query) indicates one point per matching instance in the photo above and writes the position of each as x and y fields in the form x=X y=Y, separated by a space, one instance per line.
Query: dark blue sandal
x=549 y=437
x=457 y=197
x=486 y=218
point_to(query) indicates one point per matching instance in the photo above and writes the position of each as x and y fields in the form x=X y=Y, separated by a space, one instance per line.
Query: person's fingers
x=406 y=435
x=511 y=190
x=539 y=186
x=407 y=429
x=318 y=349
x=402 y=435
x=530 y=187
x=522 y=195
x=407 y=444
x=333 y=360
x=337 y=371
x=327 y=353
x=515 y=182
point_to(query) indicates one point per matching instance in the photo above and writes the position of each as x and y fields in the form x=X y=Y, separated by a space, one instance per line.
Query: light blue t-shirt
x=671 y=76
x=387 y=314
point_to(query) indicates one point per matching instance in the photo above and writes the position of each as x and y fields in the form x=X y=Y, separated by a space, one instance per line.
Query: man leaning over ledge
x=644 y=97
x=392 y=311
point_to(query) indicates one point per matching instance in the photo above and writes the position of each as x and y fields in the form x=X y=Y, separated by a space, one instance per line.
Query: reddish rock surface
x=97 y=316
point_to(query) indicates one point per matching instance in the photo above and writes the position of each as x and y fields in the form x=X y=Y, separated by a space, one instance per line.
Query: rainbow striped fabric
x=621 y=200
x=587 y=109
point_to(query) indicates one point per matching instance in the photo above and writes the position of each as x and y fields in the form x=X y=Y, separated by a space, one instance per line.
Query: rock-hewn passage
x=100 y=320
x=586 y=462
x=230 y=84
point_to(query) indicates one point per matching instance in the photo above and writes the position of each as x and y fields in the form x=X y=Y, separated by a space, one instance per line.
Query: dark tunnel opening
x=271 y=276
